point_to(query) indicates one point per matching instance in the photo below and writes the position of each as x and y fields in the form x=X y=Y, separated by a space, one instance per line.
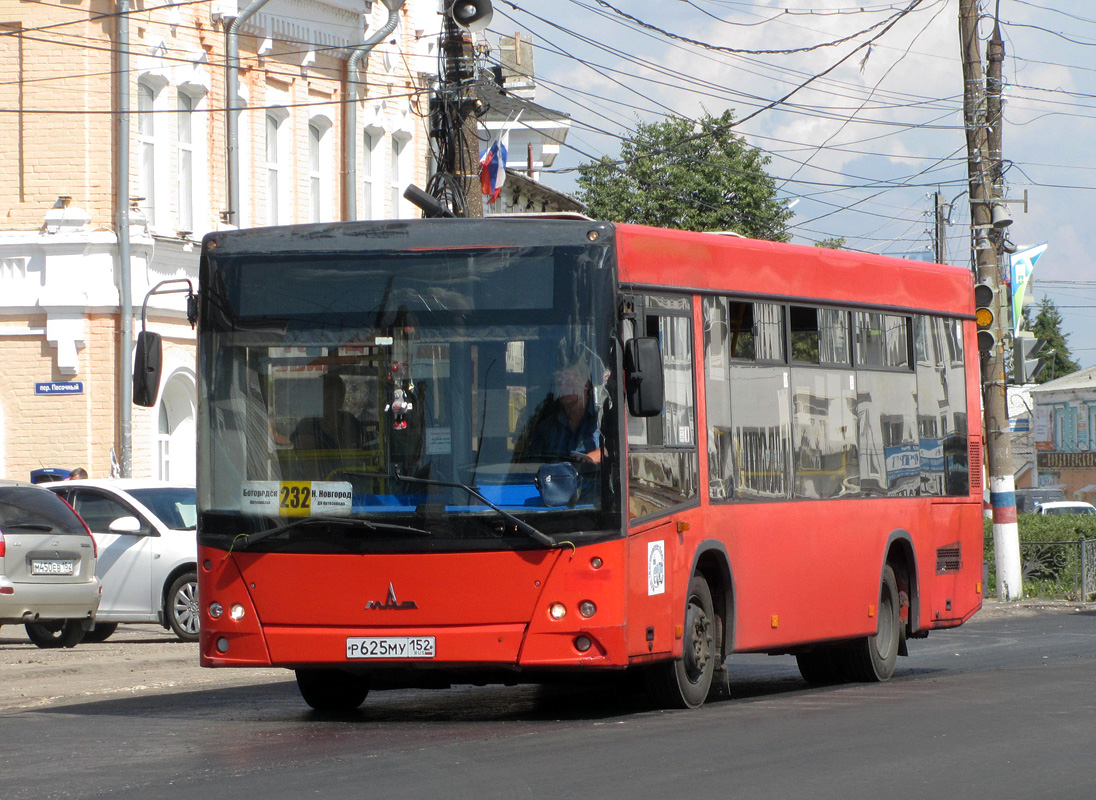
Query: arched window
x=315 y=173
x=396 y=174
x=146 y=136
x=371 y=139
x=176 y=431
x=274 y=187
x=163 y=445
x=184 y=137
x=321 y=169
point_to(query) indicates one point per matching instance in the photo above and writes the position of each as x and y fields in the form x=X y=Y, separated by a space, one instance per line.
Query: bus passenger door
x=663 y=480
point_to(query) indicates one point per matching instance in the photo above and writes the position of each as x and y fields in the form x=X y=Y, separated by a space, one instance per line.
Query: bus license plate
x=390 y=647
x=51 y=567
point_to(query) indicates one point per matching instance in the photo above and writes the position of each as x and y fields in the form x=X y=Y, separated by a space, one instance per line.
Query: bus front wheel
x=821 y=666
x=872 y=659
x=331 y=690
x=685 y=683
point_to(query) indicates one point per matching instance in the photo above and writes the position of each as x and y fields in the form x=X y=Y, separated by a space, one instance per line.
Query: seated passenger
x=337 y=429
x=572 y=430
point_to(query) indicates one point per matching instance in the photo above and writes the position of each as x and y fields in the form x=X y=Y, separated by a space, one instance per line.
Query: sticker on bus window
x=259 y=497
x=297 y=498
x=656 y=568
x=332 y=497
x=439 y=441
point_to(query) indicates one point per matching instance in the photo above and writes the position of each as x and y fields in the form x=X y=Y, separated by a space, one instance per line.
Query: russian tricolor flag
x=493 y=163
x=493 y=169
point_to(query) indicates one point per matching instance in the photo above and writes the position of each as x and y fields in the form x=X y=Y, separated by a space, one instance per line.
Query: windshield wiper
x=521 y=525
x=245 y=540
x=31 y=526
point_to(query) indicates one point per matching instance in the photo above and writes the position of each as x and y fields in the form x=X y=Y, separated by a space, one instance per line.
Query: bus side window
x=748 y=403
x=941 y=407
x=825 y=455
x=886 y=385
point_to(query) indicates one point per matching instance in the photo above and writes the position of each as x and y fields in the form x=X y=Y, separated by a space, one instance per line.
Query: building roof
x=559 y=201
x=1084 y=379
x=502 y=105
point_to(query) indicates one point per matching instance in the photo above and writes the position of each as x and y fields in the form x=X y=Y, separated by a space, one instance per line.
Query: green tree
x=1048 y=325
x=696 y=176
x=832 y=242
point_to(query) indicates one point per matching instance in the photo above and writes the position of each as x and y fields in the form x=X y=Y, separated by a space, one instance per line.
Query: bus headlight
x=215 y=610
x=587 y=608
x=557 y=611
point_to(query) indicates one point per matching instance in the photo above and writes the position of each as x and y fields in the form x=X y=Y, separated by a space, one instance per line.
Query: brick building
x=61 y=307
x=1065 y=434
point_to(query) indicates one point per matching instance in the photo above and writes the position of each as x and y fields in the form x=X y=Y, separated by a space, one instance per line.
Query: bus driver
x=571 y=432
x=337 y=429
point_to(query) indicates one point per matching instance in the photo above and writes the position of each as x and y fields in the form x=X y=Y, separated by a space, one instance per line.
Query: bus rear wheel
x=872 y=659
x=685 y=683
x=332 y=690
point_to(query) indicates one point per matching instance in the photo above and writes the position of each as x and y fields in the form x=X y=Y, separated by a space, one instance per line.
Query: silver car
x=47 y=566
x=148 y=551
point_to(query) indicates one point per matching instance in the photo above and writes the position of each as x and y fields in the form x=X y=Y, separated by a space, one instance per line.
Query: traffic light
x=1028 y=358
x=985 y=309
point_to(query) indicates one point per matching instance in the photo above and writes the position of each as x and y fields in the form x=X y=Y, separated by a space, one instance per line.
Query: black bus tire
x=332 y=690
x=872 y=659
x=685 y=683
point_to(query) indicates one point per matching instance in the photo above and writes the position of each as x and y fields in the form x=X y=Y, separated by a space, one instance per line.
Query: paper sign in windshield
x=296 y=498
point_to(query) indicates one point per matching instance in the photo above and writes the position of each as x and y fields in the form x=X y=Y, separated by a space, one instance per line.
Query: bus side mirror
x=146 y=369
x=643 y=381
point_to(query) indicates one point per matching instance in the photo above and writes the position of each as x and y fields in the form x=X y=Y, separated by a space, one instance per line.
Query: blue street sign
x=59 y=387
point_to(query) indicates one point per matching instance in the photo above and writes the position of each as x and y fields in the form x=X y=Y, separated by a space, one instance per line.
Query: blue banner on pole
x=1022 y=264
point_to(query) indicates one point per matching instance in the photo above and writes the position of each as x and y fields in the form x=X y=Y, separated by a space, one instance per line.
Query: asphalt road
x=1004 y=706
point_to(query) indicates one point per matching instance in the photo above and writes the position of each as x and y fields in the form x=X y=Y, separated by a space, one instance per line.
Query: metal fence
x=1066 y=569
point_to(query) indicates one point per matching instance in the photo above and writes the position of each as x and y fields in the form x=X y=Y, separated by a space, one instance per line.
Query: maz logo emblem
x=391 y=603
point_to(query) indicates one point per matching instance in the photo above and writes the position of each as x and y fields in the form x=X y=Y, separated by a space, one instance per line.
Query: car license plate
x=390 y=647
x=41 y=566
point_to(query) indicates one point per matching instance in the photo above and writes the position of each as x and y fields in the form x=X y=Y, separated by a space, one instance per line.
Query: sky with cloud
x=858 y=105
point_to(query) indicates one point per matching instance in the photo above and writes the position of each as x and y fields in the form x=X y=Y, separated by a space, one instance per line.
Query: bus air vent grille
x=948 y=559
x=976 y=465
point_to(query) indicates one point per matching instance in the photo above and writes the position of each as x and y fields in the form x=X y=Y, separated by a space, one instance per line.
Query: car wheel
x=181 y=606
x=100 y=633
x=56 y=632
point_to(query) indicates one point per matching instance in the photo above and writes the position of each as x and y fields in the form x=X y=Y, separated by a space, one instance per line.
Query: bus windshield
x=408 y=400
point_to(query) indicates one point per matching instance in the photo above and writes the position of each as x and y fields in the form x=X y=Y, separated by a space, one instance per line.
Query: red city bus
x=444 y=451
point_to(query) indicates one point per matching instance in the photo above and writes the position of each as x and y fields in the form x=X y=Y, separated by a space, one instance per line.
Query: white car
x=1065 y=507
x=148 y=551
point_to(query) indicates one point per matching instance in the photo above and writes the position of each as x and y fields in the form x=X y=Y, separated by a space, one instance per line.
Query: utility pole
x=460 y=75
x=982 y=119
x=939 y=228
x=454 y=189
